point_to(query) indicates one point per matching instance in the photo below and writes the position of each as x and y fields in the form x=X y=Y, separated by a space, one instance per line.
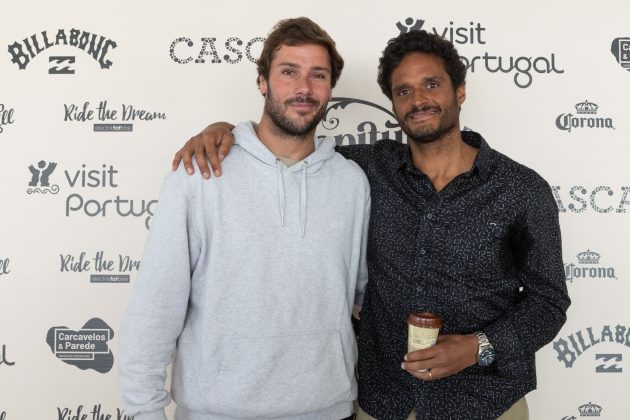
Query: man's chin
x=423 y=136
x=298 y=130
x=427 y=136
x=423 y=139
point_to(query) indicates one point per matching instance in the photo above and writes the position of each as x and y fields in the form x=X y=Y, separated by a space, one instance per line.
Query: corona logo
x=584 y=119
x=590 y=410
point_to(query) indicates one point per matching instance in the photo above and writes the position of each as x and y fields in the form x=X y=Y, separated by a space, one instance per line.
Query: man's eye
x=403 y=92
x=288 y=72
x=321 y=76
x=433 y=85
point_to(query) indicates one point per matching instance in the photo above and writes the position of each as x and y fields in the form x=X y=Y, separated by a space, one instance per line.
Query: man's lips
x=419 y=115
x=302 y=101
x=302 y=105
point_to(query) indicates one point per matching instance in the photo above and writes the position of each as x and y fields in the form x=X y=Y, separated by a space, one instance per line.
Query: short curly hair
x=298 y=31
x=419 y=42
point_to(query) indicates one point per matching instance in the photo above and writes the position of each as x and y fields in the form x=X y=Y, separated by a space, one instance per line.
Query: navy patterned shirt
x=484 y=253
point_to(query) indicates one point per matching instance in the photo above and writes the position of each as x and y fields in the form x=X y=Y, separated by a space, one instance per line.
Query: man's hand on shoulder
x=211 y=145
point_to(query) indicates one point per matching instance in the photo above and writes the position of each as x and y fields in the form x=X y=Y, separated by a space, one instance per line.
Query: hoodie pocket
x=282 y=375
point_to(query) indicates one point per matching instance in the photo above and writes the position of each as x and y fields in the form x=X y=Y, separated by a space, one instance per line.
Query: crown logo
x=588 y=257
x=586 y=107
x=590 y=410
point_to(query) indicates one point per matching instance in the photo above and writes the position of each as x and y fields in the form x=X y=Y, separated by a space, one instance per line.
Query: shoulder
x=389 y=153
x=518 y=171
x=523 y=180
x=181 y=183
x=390 y=146
x=348 y=171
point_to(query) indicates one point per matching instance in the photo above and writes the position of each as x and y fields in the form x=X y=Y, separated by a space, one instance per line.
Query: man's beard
x=429 y=134
x=286 y=126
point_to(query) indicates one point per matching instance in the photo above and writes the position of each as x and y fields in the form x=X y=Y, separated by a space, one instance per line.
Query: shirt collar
x=482 y=165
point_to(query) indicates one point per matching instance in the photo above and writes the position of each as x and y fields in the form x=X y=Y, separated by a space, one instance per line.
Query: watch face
x=486 y=357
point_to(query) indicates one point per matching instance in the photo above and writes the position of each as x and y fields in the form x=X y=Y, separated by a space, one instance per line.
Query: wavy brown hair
x=298 y=31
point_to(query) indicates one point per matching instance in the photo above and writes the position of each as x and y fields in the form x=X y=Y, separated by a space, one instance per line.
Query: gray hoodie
x=247 y=285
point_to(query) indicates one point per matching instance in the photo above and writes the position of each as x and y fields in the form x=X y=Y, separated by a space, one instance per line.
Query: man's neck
x=282 y=144
x=443 y=159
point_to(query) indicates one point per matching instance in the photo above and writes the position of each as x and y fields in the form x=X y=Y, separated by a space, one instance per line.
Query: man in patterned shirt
x=457 y=229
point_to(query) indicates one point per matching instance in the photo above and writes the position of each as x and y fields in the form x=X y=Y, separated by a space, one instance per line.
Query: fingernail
x=405 y=358
x=221 y=157
x=217 y=172
x=189 y=171
x=206 y=175
x=402 y=366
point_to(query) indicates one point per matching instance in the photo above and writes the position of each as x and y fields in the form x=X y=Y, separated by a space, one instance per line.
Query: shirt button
x=429 y=216
x=422 y=251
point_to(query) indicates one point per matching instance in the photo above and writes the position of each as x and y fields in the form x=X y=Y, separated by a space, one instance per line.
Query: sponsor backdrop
x=95 y=98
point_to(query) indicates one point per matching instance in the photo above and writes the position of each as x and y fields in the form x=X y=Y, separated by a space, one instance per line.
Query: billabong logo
x=94 y=45
x=588 y=267
x=609 y=363
x=523 y=67
x=569 y=349
x=582 y=198
x=584 y=119
x=40 y=178
x=233 y=50
x=60 y=61
x=86 y=348
x=3 y=357
x=620 y=48
x=108 y=116
x=6 y=117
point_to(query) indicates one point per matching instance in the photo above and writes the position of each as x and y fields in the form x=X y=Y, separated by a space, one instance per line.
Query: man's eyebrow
x=288 y=64
x=424 y=80
x=319 y=68
x=400 y=86
x=293 y=65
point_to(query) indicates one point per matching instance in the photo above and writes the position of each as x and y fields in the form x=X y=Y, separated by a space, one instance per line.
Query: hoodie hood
x=245 y=136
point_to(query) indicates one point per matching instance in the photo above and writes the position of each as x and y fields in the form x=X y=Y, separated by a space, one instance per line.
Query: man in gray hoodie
x=247 y=284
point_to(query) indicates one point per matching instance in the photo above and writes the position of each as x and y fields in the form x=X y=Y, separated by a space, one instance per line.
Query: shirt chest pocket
x=473 y=248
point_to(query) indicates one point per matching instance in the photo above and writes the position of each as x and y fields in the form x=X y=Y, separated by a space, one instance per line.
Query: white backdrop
x=532 y=64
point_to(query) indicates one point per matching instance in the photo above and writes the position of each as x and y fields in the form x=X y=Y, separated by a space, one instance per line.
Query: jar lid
x=425 y=319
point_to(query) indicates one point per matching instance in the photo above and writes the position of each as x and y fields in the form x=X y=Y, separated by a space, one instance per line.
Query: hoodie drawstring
x=303 y=199
x=282 y=200
x=281 y=203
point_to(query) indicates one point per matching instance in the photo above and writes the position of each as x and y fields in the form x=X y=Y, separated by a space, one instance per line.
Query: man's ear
x=460 y=92
x=262 y=85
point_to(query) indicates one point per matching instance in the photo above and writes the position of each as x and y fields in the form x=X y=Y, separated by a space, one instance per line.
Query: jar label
x=421 y=338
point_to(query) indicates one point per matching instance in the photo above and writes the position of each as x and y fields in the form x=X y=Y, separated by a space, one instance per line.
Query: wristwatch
x=486 y=354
